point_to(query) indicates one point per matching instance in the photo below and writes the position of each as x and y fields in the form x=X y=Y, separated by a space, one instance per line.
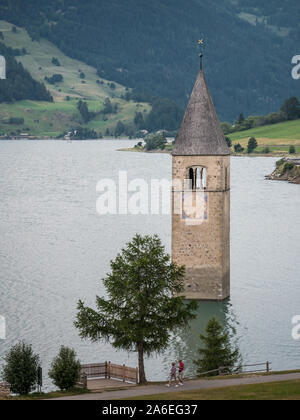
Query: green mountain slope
x=152 y=45
x=51 y=119
x=20 y=84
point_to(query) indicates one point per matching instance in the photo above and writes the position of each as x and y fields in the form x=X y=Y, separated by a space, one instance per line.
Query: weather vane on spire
x=200 y=43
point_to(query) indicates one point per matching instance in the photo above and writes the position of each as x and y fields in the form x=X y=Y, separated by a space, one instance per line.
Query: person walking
x=173 y=376
x=181 y=372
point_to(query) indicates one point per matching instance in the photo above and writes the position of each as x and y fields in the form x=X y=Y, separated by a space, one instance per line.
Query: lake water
x=55 y=248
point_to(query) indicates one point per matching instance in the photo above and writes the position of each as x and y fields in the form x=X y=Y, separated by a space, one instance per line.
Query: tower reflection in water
x=186 y=342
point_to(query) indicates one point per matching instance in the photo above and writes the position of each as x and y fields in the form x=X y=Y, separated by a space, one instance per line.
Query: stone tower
x=201 y=199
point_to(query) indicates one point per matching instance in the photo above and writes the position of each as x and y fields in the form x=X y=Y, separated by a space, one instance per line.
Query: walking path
x=189 y=386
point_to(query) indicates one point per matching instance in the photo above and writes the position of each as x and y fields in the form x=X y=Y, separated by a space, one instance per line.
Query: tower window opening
x=204 y=178
x=226 y=178
x=191 y=179
x=197 y=178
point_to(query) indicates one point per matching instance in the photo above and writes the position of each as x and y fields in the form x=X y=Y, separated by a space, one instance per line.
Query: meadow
x=277 y=137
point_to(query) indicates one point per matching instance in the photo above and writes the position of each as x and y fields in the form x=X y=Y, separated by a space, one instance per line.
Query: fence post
x=124 y=373
x=221 y=371
x=137 y=375
x=268 y=367
x=106 y=370
x=108 y=373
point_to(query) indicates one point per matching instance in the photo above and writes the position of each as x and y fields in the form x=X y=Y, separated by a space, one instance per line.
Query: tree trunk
x=141 y=364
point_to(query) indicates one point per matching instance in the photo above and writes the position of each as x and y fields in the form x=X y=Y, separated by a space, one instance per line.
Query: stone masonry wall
x=205 y=248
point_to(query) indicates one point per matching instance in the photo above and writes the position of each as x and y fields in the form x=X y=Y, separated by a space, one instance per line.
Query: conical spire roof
x=201 y=133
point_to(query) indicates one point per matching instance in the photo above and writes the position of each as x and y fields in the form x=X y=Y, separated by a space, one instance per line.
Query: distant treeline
x=164 y=115
x=289 y=111
x=19 y=84
x=152 y=45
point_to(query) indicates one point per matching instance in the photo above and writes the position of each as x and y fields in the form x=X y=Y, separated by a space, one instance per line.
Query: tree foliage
x=217 y=351
x=55 y=78
x=82 y=133
x=291 y=108
x=252 y=73
x=156 y=141
x=55 y=61
x=238 y=148
x=252 y=145
x=143 y=308
x=84 y=111
x=19 y=84
x=21 y=369
x=65 y=369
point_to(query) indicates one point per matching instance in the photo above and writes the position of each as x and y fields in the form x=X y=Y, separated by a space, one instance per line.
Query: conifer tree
x=143 y=307
x=217 y=352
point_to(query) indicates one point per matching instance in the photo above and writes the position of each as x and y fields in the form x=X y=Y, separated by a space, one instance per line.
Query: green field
x=278 y=137
x=289 y=390
x=46 y=119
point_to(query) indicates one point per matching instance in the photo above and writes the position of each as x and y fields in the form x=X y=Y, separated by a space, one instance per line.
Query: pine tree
x=84 y=111
x=241 y=119
x=291 y=108
x=217 y=351
x=143 y=307
x=252 y=144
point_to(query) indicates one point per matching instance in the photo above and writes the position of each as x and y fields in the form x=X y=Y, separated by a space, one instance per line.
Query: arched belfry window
x=197 y=178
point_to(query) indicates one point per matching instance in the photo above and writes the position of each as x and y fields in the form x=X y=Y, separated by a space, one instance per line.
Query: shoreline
x=169 y=152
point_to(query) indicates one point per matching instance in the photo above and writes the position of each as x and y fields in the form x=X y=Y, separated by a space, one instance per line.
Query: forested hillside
x=81 y=100
x=151 y=45
x=19 y=83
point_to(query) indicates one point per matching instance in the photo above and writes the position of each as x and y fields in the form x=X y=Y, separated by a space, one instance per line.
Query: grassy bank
x=50 y=395
x=277 y=137
x=289 y=390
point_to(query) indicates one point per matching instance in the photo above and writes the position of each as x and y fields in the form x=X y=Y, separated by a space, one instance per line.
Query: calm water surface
x=55 y=248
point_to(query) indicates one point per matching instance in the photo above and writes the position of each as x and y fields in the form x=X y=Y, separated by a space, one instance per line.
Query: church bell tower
x=201 y=199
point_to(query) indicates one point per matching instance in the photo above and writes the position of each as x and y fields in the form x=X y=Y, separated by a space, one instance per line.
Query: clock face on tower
x=195 y=207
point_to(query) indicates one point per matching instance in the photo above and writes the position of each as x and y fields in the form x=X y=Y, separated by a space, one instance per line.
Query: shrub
x=56 y=78
x=252 y=145
x=21 y=369
x=292 y=150
x=55 y=61
x=228 y=141
x=279 y=163
x=16 y=120
x=288 y=167
x=65 y=369
x=238 y=148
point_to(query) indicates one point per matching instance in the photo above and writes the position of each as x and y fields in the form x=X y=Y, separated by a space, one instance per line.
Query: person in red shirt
x=181 y=372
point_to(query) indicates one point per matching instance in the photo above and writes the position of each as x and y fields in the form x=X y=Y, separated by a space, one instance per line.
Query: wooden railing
x=108 y=370
x=238 y=370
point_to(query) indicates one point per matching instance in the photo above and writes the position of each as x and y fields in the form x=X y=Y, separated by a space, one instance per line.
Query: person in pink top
x=173 y=376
